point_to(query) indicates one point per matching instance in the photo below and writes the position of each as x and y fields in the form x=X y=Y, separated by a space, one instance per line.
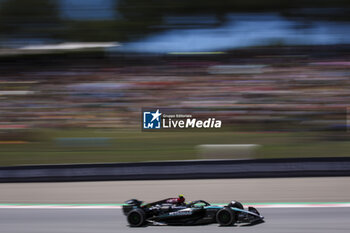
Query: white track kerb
x=119 y=206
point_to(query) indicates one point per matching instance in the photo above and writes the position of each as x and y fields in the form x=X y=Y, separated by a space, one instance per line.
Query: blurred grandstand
x=260 y=89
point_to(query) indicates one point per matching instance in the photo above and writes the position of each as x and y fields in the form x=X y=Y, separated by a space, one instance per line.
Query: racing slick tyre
x=236 y=204
x=225 y=217
x=136 y=218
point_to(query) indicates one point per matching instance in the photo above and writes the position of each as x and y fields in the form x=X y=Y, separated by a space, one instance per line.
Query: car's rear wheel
x=136 y=218
x=225 y=217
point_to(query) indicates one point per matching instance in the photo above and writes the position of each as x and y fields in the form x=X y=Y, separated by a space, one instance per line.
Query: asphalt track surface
x=321 y=189
x=280 y=220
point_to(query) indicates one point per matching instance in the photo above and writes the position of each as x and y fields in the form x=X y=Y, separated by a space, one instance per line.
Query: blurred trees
x=221 y=6
x=29 y=18
x=138 y=18
x=147 y=16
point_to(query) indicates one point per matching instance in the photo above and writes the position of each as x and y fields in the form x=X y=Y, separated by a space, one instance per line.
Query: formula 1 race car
x=194 y=213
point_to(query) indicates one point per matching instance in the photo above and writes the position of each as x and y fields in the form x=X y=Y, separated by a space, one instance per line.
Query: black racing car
x=194 y=213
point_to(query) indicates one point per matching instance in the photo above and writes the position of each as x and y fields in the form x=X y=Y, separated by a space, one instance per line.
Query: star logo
x=156 y=115
x=151 y=119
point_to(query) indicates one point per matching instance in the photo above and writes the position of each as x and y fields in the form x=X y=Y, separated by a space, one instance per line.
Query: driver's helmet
x=181 y=199
x=236 y=204
x=232 y=204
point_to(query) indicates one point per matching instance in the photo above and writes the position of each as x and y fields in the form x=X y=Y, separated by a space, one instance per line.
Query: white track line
x=77 y=206
x=58 y=207
x=303 y=205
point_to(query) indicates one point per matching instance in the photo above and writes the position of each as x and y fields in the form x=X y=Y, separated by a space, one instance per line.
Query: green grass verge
x=133 y=145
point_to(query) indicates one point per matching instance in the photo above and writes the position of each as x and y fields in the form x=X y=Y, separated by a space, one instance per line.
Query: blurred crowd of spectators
x=289 y=91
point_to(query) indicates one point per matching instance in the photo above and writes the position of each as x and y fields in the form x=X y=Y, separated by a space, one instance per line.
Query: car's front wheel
x=225 y=217
x=136 y=218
